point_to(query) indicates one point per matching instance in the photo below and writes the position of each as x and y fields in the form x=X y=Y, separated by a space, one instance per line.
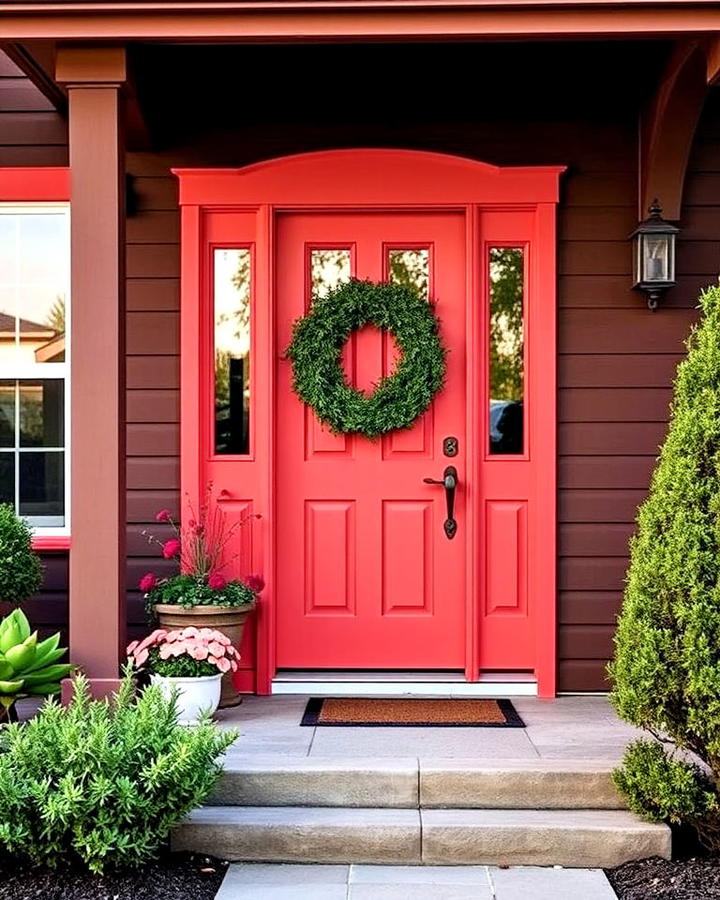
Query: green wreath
x=399 y=398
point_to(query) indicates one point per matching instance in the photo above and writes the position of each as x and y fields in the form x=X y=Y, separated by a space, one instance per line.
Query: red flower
x=148 y=582
x=216 y=581
x=163 y=516
x=171 y=548
x=255 y=583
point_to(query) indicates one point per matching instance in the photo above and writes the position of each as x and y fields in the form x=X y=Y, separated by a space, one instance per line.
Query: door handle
x=450 y=482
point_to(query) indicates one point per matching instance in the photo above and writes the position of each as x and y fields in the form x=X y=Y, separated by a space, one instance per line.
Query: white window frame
x=46 y=372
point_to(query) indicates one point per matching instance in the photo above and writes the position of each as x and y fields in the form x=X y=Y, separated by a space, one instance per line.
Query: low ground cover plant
x=101 y=783
x=666 y=671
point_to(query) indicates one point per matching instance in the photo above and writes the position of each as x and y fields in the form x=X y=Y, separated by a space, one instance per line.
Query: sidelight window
x=506 y=280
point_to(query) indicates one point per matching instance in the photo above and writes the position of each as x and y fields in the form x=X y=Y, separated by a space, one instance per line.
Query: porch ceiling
x=372 y=95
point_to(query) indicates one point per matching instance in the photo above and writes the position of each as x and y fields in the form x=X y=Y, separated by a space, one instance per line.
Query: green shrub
x=103 y=783
x=666 y=671
x=20 y=575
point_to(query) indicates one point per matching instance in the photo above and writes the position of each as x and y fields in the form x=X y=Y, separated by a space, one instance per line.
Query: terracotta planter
x=228 y=619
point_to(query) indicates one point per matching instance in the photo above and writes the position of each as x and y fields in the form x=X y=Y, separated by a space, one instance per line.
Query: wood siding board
x=614 y=471
x=609 y=370
x=614 y=405
x=600 y=505
x=151 y=473
x=153 y=294
x=596 y=439
x=153 y=333
x=142 y=506
x=153 y=406
x=582 y=675
x=153 y=439
x=589 y=607
x=153 y=372
x=580 y=539
x=585 y=641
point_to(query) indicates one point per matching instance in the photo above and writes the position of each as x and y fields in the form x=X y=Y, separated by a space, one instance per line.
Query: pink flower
x=141 y=657
x=233 y=665
x=207 y=633
x=190 y=632
x=171 y=548
x=222 y=639
x=163 y=516
x=255 y=583
x=223 y=664
x=198 y=652
x=216 y=649
x=216 y=581
x=148 y=582
x=166 y=651
x=152 y=638
x=131 y=647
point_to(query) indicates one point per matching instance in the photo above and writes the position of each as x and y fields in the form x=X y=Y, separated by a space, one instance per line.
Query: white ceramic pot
x=195 y=695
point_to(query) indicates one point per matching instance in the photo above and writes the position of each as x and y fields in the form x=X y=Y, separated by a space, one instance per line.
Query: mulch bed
x=178 y=876
x=697 y=878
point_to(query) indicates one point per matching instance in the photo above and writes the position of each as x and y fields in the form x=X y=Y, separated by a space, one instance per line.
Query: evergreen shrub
x=20 y=574
x=666 y=671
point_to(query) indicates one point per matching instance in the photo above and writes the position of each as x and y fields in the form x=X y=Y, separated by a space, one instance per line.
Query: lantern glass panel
x=656 y=257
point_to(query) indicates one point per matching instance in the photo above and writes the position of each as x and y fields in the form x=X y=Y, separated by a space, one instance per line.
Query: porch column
x=94 y=77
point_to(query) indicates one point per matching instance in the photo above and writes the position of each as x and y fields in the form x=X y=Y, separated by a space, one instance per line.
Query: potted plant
x=191 y=661
x=200 y=594
x=20 y=575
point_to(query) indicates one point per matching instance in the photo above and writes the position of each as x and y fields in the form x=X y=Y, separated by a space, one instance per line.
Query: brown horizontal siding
x=32 y=133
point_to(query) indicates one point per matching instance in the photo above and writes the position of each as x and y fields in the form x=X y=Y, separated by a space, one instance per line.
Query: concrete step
x=411 y=783
x=571 y=838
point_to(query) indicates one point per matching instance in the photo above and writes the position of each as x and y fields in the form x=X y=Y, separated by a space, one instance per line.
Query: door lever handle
x=450 y=482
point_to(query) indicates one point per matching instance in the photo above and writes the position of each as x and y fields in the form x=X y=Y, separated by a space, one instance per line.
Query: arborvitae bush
x=20 y=575
x=666 y=670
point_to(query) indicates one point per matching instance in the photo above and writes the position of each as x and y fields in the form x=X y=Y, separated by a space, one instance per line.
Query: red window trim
x=50 y=543
x=26 y=184
x=33 y=184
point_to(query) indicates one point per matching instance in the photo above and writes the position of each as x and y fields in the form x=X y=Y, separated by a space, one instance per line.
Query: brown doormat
x=435 y=713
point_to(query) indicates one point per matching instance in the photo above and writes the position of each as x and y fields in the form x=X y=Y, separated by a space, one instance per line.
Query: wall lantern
x=654 y=255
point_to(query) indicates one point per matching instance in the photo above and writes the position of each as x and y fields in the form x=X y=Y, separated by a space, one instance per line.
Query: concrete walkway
x=291 y=882
x=582 y=727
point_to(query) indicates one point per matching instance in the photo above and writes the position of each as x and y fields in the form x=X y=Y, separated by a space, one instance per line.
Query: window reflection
x=412 y=269
x=506 y=280
x=34 y=277
x=328 y=269
x=232 y=307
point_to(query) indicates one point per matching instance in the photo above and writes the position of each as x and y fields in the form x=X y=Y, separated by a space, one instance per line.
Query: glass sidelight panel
x=232 y=339
x=506 y=278
x=329 y=268
x=411 y=268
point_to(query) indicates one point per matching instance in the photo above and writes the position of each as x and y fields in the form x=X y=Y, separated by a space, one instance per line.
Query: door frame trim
x=412 y=181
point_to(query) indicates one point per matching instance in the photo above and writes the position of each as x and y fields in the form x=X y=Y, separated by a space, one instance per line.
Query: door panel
x=366 y=576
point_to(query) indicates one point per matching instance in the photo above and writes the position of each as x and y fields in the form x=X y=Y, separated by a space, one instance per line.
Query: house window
x=34 y=363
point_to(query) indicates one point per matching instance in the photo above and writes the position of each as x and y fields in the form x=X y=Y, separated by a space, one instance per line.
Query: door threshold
x=420 y=684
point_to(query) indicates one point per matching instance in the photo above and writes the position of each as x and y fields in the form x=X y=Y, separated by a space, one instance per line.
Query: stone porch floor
x=577 y=728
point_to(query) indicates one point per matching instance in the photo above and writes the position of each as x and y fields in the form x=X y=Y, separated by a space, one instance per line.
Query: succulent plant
x=28 y=668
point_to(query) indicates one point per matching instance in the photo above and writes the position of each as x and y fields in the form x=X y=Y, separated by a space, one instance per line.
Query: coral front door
x=367 y=577
x=360 y=571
